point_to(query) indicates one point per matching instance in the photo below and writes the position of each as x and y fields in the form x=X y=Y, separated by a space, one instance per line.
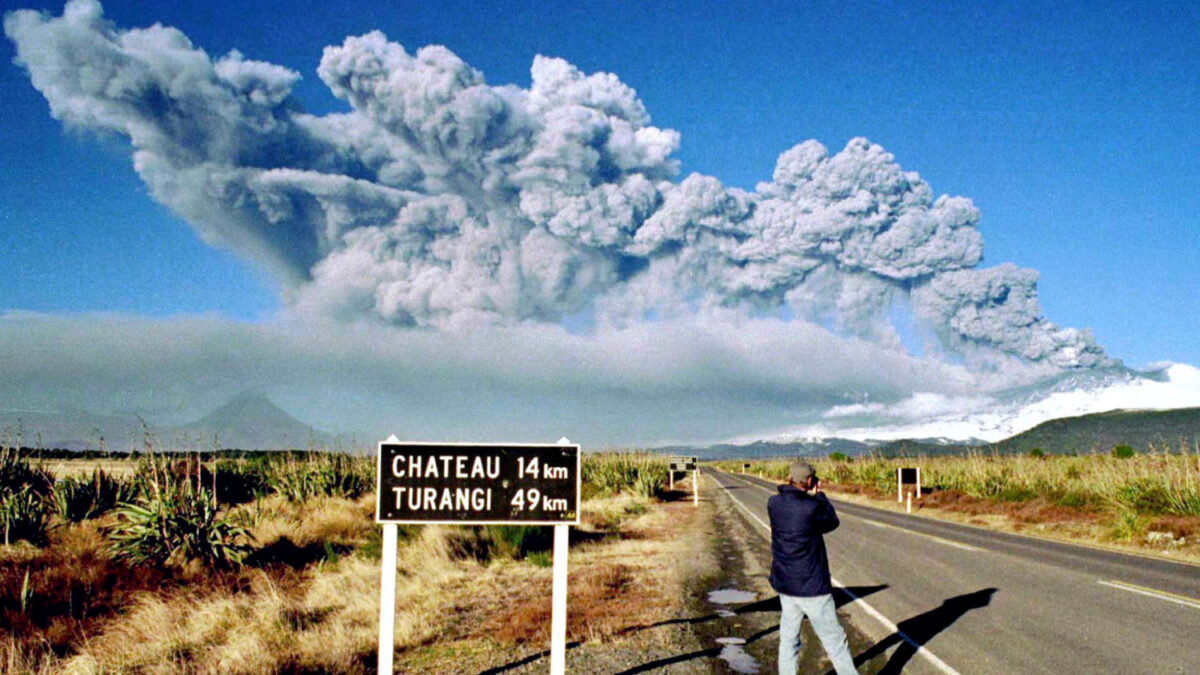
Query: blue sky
x=1072 y=128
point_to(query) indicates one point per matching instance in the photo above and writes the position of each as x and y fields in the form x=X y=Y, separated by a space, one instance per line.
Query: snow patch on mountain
x=995 y=416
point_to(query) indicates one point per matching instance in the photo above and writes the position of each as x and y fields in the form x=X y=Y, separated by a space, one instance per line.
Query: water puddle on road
x=731 y=596
x=734 y=654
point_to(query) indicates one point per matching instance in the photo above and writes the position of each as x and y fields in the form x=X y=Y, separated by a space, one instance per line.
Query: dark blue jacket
x=799 y=565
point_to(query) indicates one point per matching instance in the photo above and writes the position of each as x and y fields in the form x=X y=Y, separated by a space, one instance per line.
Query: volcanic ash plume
x=441 y=201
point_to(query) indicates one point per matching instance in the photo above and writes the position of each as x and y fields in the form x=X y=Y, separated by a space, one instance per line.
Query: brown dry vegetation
x=629 y=578
x=307 y=599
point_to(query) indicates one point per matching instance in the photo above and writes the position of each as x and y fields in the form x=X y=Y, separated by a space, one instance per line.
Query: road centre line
x=1152 y=592
x=874 y=613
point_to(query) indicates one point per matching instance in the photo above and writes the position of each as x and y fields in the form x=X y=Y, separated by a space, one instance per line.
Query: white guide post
x=558 y=608
x=387 y=598
x=696 y=487
x=908 y=504
x=672 y=485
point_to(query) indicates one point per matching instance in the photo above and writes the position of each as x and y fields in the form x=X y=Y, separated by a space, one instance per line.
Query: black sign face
x=908 y=475
x=746 y=465
x=494 y=484
x=683 y=463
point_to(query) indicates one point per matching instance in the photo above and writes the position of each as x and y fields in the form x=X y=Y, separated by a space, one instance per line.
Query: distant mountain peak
x=252 y=405
x=252 y=420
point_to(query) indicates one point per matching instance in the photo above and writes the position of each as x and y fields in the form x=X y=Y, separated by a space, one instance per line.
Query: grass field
x=1149 y=500
x=64 y=468
x=272 y=565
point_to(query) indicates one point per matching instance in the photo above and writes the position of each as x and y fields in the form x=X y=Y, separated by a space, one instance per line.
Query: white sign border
x=456 y=444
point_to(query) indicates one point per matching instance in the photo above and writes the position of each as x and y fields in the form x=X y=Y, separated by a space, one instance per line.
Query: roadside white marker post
x=672 y=485
x=387 y=592
x=908 y=503
x=696 y=487
x=558 y=604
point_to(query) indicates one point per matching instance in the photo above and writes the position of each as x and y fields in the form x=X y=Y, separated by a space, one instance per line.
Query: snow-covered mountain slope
x=998 y=415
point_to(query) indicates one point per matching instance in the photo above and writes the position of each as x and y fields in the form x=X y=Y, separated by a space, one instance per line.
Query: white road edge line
x=947 y=542
x=887 y=623
x=1142 y=591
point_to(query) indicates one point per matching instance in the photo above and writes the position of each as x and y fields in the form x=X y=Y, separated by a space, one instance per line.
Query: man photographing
x=800 y=515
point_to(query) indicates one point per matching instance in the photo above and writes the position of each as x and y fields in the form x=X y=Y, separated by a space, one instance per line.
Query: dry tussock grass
x=625 y=581
x=324 y=519
x=327 y=623
x=62 y=468
x=74 y=586
x=453 y=611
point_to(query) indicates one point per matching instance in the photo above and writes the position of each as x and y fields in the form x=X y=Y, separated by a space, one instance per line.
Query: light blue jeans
x=822 y=614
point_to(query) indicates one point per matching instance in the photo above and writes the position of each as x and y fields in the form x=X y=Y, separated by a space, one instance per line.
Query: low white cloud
x=685 y=379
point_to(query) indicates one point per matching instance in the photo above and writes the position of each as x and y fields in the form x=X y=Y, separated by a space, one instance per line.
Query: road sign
x=476 y=484
x=683 y=463
x=481 y=483
x=907 y=476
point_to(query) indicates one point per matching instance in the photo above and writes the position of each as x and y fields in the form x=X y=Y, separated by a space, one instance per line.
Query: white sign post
x=479 y=484
x=558 y=604
x=387 y=593
x=387 y=598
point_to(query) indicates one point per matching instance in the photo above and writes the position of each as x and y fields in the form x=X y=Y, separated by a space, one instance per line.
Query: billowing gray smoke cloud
x=441 y=201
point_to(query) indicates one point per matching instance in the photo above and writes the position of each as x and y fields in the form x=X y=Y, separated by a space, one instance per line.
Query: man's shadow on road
x=921 y=629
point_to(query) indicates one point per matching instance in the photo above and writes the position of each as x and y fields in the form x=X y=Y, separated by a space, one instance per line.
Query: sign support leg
x=387 y=598
x=696 y=487
x=558 y=608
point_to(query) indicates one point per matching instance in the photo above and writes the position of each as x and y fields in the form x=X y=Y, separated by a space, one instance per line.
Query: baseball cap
x=801 y=471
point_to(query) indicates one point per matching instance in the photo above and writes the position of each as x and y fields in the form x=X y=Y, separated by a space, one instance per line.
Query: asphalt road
x=946 y=598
